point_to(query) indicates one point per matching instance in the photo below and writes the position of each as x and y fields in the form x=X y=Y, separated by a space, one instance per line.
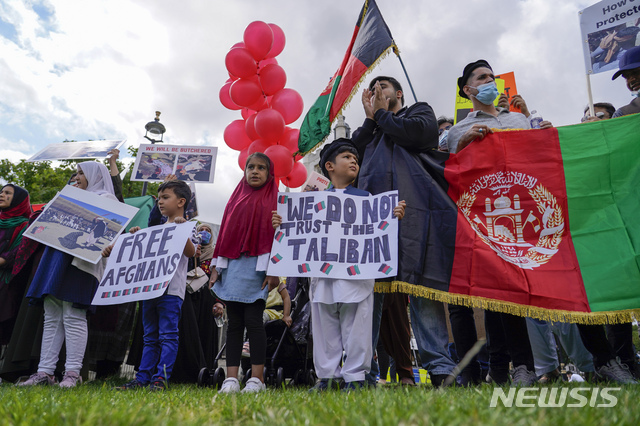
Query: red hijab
x=17 y=214
x=246 y=224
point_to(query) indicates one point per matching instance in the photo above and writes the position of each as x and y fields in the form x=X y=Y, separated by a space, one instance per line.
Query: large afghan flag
x=371 y=42
x=548 y=223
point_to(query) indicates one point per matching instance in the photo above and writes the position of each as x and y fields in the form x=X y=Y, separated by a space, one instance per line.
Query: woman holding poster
x=66 y=293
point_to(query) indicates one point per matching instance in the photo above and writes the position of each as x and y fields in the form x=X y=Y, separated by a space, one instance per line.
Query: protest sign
x=189 y=163
x=335 y=235
x=76 y=150
x=316 y=182
x=608 y=28
x=506 y=83
x=80 y=223
x=141 y=265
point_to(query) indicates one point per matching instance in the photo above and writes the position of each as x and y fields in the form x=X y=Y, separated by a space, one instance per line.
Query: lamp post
x=153 y=130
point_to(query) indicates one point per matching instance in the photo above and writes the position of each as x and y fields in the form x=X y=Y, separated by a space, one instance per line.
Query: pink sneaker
x=39 y=378
x=71 y=379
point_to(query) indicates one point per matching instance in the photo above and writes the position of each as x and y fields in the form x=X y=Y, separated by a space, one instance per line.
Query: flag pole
x=397 y=52
x=591 y=111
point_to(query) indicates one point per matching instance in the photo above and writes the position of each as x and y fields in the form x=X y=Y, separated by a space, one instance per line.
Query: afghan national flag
x=326 y=268
x=282 y=199
x=116 y=293
x=319 y=207
x=126 y=292
x=385 y=269
x=279 y=236
x=157 y=286
x=370 y=43
x=105 y=294
x=275 y=259
x=146 y=289
x=546 y=225
x=165 y=284
x=353 y=270
x=136 y=290
x=303 y=268
x=383 y=225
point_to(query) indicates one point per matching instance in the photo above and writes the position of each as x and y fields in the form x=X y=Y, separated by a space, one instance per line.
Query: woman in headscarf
x=66 y=292
x=15 y=210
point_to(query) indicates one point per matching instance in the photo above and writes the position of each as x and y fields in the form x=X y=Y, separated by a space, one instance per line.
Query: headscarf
x=206 y=250
x=15 y=216
x=98 y=178
x=246 y=224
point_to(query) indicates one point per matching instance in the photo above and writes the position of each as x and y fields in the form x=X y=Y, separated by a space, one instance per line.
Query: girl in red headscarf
x=241 y=256
x=15 y=210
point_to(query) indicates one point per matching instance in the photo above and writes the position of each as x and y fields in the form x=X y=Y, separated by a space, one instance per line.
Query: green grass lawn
x=96 y=403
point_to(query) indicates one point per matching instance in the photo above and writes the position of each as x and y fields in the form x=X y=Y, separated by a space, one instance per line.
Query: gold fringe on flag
x=605 y=317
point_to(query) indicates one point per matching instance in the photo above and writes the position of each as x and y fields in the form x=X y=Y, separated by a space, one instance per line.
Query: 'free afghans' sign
x=336 y=235
x=141 y=265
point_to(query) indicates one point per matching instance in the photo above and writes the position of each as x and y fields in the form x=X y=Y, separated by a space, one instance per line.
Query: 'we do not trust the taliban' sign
x=336 y=235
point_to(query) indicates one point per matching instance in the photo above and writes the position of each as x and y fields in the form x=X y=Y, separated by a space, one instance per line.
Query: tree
x=43 y=181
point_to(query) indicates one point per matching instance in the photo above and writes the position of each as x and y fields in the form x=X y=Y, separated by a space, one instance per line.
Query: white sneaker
x=71 y=379
x=230 y=385
x=253 y=385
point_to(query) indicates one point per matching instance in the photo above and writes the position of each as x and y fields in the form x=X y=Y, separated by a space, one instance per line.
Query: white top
x=221 y=262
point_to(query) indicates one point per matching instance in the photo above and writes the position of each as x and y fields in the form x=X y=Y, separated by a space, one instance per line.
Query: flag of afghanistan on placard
x=547 y=223
x=370 y=43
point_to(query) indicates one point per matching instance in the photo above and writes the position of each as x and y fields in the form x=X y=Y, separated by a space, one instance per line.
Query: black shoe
x=327 y=384
x=353 y=386
x=132 y=385
x=438 y=379
x=499 y=377
x=159 y=385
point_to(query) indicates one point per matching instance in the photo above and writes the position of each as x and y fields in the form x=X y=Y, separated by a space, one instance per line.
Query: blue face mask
x=205 y=236
x=487 y=93
x=442 y=142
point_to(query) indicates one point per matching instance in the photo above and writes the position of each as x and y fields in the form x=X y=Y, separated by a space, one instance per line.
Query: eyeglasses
x=440 y=131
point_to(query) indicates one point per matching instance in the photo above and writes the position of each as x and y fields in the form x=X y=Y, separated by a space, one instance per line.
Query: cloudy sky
x=99 y=69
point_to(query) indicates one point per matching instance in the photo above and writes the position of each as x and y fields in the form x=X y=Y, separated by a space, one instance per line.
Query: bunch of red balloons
x=257 y=87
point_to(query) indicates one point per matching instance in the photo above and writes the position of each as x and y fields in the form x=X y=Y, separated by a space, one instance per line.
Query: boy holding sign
x=342 y=309
x=160 y=316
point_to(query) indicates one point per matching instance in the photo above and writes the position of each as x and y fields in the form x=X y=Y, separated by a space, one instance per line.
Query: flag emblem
x=275 y=259
x=146 y=289
x=303 y=268
x=116 y=293
x=105 y=295
x=126 y=292
x=279 y=236
x=385 y=269
x=353 y=270
x=326 y=268
x=157 y=286
x=136 y=290
x=319 y=207
x=282 y=199
x=383 y=225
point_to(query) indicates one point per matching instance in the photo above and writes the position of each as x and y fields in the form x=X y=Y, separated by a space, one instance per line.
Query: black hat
x=629 y=61
x=330 y=149
x=462 y=81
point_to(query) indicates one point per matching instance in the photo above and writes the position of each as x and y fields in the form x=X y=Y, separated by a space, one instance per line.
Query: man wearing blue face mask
x=630 y=71
x=478 y=85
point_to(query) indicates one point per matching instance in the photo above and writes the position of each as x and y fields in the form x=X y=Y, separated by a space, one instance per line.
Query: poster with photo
x=189 y=163
x=76 y=150
x=80 y=223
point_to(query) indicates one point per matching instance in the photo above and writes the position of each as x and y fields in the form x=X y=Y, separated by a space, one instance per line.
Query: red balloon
x=258 y=38
x=260 y=104
x=290 y=139
x=258 y=145
x=246 y=112
x=250 y=129
x=269 y=61
x=244 y=92
x=225 y=98
x=238 y=44
x=242 y=158
x=240 y=63
x=281 y=159
x=272 y=79
x=235 y=135
x=289 y=103
x=269 y=124
x=297 y=177
x=278 y=41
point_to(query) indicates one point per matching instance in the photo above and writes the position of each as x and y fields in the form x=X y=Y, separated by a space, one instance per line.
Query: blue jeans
x=160 y=317
x=429 y=325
